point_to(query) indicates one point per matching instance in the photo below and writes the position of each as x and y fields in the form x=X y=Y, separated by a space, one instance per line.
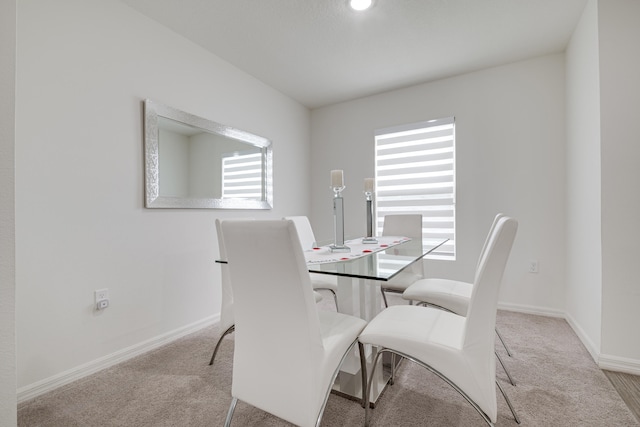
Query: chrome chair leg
x=367 y=413
x=384 y=297
x=232 y=408
x=392 y=380
x=363 y=366
x=506 y=398
x=367 y=395
x=506 y=371
x=335 y=299
x=503 y=343
x=215 y=350
x=363 y=369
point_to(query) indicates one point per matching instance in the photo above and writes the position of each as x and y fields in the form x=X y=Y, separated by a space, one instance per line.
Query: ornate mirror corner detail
x=150 y=153
x=192 y=162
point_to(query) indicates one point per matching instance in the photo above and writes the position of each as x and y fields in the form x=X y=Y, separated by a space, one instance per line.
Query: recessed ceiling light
x=360 y=4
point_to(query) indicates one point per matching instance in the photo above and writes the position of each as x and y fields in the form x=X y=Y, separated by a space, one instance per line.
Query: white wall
x=510 y=138
x=84 y=67
x=8 y=400
x=619 y=34
x=584 y=254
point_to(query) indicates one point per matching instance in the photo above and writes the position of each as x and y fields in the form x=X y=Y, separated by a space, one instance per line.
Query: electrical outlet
x=101 y=294
x=102 y=304
x=533 y=266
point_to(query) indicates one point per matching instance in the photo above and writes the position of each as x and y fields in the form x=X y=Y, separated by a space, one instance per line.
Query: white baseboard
x=591 y=347
x=48 y=384
x=619 y=364
x=530 y=309
x=604 y=361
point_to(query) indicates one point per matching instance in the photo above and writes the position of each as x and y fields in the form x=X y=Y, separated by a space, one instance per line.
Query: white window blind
x=242 y=175
x=415 y=173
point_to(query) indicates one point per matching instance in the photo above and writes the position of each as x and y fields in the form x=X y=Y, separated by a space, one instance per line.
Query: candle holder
x=338 y=221
x=369 y=201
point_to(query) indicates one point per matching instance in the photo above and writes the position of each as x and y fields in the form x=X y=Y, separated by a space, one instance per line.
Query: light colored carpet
x=558 y=384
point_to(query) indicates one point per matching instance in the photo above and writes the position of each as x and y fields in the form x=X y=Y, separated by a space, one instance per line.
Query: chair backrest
x=483 y=304
x=479 y=341
x=305 y=232
x=407 y=225
x=486 y=240
x=484 y=296
x=277 y=329
x=226 y=304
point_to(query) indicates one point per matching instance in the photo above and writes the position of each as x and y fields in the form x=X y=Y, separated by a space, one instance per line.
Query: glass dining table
x=360 y=274
x=373 y=262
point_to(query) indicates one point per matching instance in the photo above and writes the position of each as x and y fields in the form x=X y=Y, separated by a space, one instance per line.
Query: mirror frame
x=153 y=199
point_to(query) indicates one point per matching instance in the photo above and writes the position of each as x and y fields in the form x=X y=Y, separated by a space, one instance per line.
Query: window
x=242 y=175
x=415 y=173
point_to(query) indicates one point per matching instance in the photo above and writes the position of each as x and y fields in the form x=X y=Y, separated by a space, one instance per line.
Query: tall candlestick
x=368 y=192
x=337 y=185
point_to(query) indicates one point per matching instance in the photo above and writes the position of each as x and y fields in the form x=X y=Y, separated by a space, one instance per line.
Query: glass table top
x=382 y=265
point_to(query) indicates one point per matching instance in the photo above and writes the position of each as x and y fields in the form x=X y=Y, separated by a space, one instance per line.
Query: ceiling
x=320 y=52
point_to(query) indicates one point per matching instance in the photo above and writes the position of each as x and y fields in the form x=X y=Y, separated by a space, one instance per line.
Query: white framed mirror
x=192 y=162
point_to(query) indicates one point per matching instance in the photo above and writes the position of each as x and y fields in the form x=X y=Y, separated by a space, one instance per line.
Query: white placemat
x=323 y=254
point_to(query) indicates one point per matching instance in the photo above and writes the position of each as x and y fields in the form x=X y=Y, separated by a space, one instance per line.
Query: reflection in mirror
x=192 y=162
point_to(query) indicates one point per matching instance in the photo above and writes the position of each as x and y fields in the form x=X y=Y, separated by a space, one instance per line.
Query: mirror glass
x=191 y=162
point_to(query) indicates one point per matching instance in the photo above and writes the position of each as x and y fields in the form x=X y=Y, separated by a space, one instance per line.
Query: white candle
x=368 y=185
x=337 y=179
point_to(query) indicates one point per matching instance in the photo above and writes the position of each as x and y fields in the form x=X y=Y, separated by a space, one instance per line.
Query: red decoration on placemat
x=323 y=254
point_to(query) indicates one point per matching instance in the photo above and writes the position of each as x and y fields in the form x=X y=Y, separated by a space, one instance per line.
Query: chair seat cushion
x=415 y=330
x=448 y=294
x=339 y=330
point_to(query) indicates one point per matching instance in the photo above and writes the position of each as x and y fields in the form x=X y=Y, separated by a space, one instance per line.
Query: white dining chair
x=459 y=350
x=287 y=352
x=453 y=295
x=227 y=322
x=407 y=225
x=307 y=237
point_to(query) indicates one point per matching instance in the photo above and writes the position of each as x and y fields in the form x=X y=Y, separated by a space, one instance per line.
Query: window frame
x=412 y=147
